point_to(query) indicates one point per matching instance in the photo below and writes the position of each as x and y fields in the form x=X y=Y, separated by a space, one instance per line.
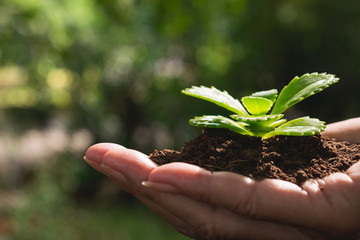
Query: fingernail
x=114 y=175
x=161 y=187
x=87 y=160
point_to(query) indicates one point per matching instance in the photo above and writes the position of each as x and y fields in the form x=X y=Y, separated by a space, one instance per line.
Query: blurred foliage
x=46 y=211
x=115 y=68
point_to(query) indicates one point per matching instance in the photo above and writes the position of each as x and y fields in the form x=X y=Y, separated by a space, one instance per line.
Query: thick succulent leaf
x=257 y=105
x=303 y=126
x=277 y=123
x=258 y=120
x=222 y=99
x=268 y=94
x=300 y=88
x=211 y=121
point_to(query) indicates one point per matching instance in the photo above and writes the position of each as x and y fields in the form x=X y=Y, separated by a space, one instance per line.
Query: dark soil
x=293 y=159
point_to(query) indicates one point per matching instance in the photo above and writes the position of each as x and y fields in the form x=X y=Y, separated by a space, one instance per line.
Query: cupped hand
x=223 y=205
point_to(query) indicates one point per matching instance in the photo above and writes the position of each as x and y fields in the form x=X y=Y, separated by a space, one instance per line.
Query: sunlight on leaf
x=219 y=122
x=301 y=88
x=223 y=99
x=257 y=105
x=268 y=94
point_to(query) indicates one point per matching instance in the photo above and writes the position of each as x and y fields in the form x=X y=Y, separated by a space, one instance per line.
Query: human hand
x=225 y=205
x=347 y=130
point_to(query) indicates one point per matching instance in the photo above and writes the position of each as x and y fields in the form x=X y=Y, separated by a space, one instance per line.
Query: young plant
x=260 y=114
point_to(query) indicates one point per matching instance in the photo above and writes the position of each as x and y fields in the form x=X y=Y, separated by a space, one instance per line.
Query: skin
x=223 y=205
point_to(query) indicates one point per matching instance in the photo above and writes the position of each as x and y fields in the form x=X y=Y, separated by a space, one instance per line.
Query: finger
x=128 y=169
x=354 y=172
x=180 y=225
x=132 y=165
x=209 y=222
x=268 y=199
x=232 y=191
x=342 y=203
x=104 y=156
x=347 y=130
x=95 y=154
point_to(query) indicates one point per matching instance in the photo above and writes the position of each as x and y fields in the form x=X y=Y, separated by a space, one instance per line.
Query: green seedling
x=260 y=114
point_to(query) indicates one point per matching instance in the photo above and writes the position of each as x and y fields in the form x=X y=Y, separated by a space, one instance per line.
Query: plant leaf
x=277 y=123
x=257 y=120
x=268 y=94
x=300 y=88
x=260 y=125
x=257 y=105
x=303 y=126
x=222 y=99
x=211 y=121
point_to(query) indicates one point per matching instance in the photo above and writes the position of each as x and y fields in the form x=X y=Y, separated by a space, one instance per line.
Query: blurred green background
x=78 y=72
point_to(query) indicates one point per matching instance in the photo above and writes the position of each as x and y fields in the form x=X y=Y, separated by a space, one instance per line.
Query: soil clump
x=294 y=159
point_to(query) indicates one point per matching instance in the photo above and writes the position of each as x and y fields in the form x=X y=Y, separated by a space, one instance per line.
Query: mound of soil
x=294 y=159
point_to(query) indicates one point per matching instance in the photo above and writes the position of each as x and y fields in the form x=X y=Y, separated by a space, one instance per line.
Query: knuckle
x=205 y=195
x=249 y=206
